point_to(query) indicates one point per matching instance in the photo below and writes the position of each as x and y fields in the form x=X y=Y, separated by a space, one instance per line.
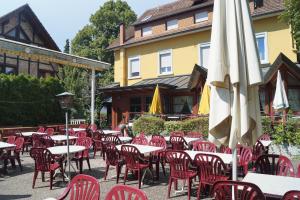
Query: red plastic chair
x=41 y=130
x=82 y=187
x=157 y=136
x=47 y=141
x=87 y=143
x=11 y=139
x=177 y=133
x=142 y=140
x=158 y=156
x=98 y=144
x=258 y=150
x=242 y=191
x=133 y=161
x=120 y=192
x=284 y=167
x=266 y=164
x=298 y=171
x=291 y=195
x=37 y=141
x=83 y=126
x=93 y=128
x=81 y=134
x=44 y=162
x=112 y=139
x=193 y=134
x=179 y=169
x=204 y=146
x=178 y=143
x=14 y=154
x=71 y=132
x=211 y=168
x=225 y=149
x=265 y=136
x=244 y=159
x=49 y=131
x=113 y=159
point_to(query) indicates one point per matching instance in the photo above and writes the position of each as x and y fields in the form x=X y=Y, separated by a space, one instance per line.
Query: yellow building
x=169 y=46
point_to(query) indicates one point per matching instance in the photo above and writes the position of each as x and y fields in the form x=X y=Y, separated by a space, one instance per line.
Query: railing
x=77 y=121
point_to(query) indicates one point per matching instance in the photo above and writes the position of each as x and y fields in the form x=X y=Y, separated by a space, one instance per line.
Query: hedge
x=149 y=125
x=29 y=101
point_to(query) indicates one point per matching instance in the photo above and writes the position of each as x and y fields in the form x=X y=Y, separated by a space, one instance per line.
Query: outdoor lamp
x=66 y=102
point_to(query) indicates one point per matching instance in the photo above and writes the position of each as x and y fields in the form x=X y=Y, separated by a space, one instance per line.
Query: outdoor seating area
x=197 y=168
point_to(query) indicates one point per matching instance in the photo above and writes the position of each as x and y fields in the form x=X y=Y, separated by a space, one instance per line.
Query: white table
x=272 y=185
x=4 y=145
x=227 y=158
x=29 y=134
x=112 y=132
x=187 y=139
x=78 y=129
x=60 y=138
x=144 y=149
x=266 y=143
x=125 y=139
x=63 y=150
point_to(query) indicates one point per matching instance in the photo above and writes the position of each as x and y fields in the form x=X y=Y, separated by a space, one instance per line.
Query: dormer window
x=147 y=31
x=201 y=16
x=172 y=24
x=146 y=18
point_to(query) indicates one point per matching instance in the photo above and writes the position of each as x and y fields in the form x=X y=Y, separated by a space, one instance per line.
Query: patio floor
x=17 y=185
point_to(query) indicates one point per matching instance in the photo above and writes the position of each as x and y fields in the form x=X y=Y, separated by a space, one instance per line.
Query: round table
x=29 y=134
x=62 y=150
x=60 y=138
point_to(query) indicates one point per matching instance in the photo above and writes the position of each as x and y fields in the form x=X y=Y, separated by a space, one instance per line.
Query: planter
x=284 y=149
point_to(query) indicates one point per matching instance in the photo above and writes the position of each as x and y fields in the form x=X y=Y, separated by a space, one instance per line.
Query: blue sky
x=64 y=18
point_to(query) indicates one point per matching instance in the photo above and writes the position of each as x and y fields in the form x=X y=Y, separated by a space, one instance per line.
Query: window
x=183 y=104
x=135 y=104
x=293 y=98
x=134 y=67
x=148 y=102
x=172 y=24
x=204 y=54
x=201 y=17
x=261 y=40
x=147 y=31
x=165 y=62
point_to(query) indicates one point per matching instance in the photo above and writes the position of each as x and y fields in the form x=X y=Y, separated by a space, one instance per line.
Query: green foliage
x=267 y=126
x=149 y=125
x=26 y=100
x=291 y=15
x=288 y=133
x=171 y=126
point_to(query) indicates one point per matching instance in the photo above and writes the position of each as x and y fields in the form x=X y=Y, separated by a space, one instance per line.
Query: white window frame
x=173 y=26
x=202 y=45
x=167 y=51
x=129 y=67
x=149 y=32
x=265 y=36
x=201 y=19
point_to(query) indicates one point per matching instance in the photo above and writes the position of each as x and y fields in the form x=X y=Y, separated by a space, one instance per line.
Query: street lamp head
x=65 y=100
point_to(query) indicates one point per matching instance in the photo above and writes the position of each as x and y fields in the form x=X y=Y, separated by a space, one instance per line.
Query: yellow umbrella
x=204 y=103
x=156 y=107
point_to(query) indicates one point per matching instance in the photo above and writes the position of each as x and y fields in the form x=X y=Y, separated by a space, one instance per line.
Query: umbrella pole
x=68 y=147
x=234 y=164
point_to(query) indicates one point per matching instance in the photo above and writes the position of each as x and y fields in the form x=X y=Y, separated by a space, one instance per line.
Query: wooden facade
x=22 y=25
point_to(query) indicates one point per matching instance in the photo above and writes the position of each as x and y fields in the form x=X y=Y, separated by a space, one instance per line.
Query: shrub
x=288 y=133
x=26 y=100
x=173 y=126
x=267 y=126
x=149 y=125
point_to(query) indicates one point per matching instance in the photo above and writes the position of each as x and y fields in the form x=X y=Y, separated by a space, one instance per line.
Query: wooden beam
x=4 y=62
x=18 y=63
x=38 y=68
x=29 y=61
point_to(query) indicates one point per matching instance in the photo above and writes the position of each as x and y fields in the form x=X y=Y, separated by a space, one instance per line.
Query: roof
x=35 y=22
x=181 y=6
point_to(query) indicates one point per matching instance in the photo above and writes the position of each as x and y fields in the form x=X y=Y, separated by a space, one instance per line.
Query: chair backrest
x=41 y=129
x=93 y=127
x=225 y=149
x=266 y=164
x=83 y=126
x=11 y=139
x=131 y=155
x=50 y=131
x=258 y=150
x=125 y=192
x=157 y=136
x=204 y=146
x=284 y=167
x=82 y=187
x=179 y=163
x=19 y=142
x=265 y=136
x=112 y=154
x=158 y=142
x=242 y=191
x=71 y=132
x=194 y=134
x=291 y=195
x=210 y=167
x=81 y=134
x=142 y=140
x=87 y=143
x=245 y=156
x=37 y=141
x=177 y=142
x=112 y=139
x=42 y=159
x=47 y=141
x=177 y=133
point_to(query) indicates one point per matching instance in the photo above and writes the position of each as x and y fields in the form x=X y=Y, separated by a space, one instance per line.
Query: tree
x=291 y=15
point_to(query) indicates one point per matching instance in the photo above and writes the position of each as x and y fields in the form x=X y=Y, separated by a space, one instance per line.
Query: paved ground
x=17 y=185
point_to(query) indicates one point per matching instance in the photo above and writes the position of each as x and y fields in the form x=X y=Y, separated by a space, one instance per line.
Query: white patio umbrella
x=280 y=101
x=234 y=75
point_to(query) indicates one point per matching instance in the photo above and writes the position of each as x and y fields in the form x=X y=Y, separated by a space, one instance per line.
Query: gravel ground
x=17 y=185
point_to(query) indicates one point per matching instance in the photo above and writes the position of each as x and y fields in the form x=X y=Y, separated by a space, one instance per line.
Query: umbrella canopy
x=280 y=101
x=234 y=75
x=204 y=102
x=156 y=107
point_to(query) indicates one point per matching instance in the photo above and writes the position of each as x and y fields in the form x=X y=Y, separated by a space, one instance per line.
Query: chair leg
x=51 y=179
x=80 y=165
x=125 y=176
x=189 y=188
x=175 y=184
x=199 y=190
x=139 y=177
x=34 y=178
x=119 y=169
x=163 y=168
x=157 y=170
x=95 y=152
x=106 y=171
x=19 y=163
x=169 y=187
x=88 y=162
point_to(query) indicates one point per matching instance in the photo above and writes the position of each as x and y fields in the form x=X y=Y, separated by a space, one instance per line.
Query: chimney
x=122 y=34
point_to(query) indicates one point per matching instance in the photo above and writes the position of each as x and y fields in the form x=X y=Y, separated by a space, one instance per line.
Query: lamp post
x=66 y=102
